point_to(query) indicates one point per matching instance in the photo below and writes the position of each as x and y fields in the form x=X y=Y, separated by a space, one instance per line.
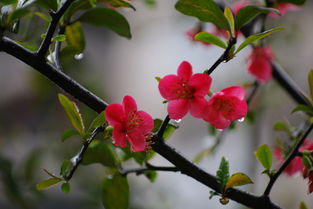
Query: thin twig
x=77 y=159
x=290 y=157
x=56 y=16
x=148 y=167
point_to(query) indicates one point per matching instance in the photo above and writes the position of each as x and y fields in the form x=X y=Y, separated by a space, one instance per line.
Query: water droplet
x=79 y=56
x=74 y=160
x=241 y=120
x=178 y=121
x=50 y=58
x=219 y=129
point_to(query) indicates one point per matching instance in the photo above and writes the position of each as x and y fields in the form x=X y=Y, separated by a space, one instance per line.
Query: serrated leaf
x=115 y=192
x=69 y=133
x=237 y=179
x=303 y=108
x=99 y=152
x=297 y=2
x=46 y=184
x=72 y=112
x=231 y=21
x=118 y=3
x=303 y=206
x=248 y=13
x=204 y=10
x=108 y=18
x=75 y=37
x=222 y=173
x=66 y=188
x=211 y=39
x=97 y=122
x=264 y=156
x=256 y=37
x=61 y=37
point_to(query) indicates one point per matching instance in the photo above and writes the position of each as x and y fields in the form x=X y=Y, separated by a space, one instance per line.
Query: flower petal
x=197 y=107
x=261 y=69
x=200 y=83
x=137 y=141
x=119 y=136
x=147 y=122
x=168 y=87
x=177 y=109
x=184 y=70
x=114 y=114
x=236 y=91
x=239 y=110
x=215 y=118
x=129 y=104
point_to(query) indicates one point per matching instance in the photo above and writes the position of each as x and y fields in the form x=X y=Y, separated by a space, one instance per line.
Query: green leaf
x=151 y=175
x=61 y=37
x=222 y=173
x=65 y=168
x=43 y=16
x=48 y=183
x=99 y=152
x=75 y=37
x=307 y=162
x=118 y=3
x=75 y=7
x=8 y=2
x=108 y=18
x=264 y=156
x=211 y=39
x=204 y=10
x=303 y=108
x=281 y=126
x=19 y=13
x=139 y=157
x=69 y=133
x=97 y=122
x=297 y=2
x=169 y=130
x=256 y=37
x=303 y=206
x=48 y=4
x=248 y=13
x=115 y=192
x=72 y=112
x=66 y=188
x=231 y=21
x=237 y=179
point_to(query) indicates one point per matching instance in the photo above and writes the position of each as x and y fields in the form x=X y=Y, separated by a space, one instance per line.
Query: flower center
x=133 y=121
x=185 y=91
x=225 y=106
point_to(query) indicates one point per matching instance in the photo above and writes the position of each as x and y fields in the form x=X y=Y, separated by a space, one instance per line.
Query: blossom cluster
x=185 y=92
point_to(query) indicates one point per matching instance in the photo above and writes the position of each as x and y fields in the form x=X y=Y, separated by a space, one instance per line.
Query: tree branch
x=77 y=159
x=56 y=16
x=290 y=157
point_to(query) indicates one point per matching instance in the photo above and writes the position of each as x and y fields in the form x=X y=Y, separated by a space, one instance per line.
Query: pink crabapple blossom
x=185 y=91
x=260 y=63
x=225 y=106
x=296 y=165
x=129 y=124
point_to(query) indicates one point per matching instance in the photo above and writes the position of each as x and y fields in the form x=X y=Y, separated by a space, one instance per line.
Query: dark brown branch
x=77 y=159
x=56 y=16
x=148 y=167
x=290 y=157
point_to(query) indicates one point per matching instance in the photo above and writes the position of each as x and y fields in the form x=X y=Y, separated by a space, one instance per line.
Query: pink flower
x=225 y=106
x=129 y=124
x=296 y=164
x=193 y=32
x=185 y=92
x=260 y=63
x=283 y=8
